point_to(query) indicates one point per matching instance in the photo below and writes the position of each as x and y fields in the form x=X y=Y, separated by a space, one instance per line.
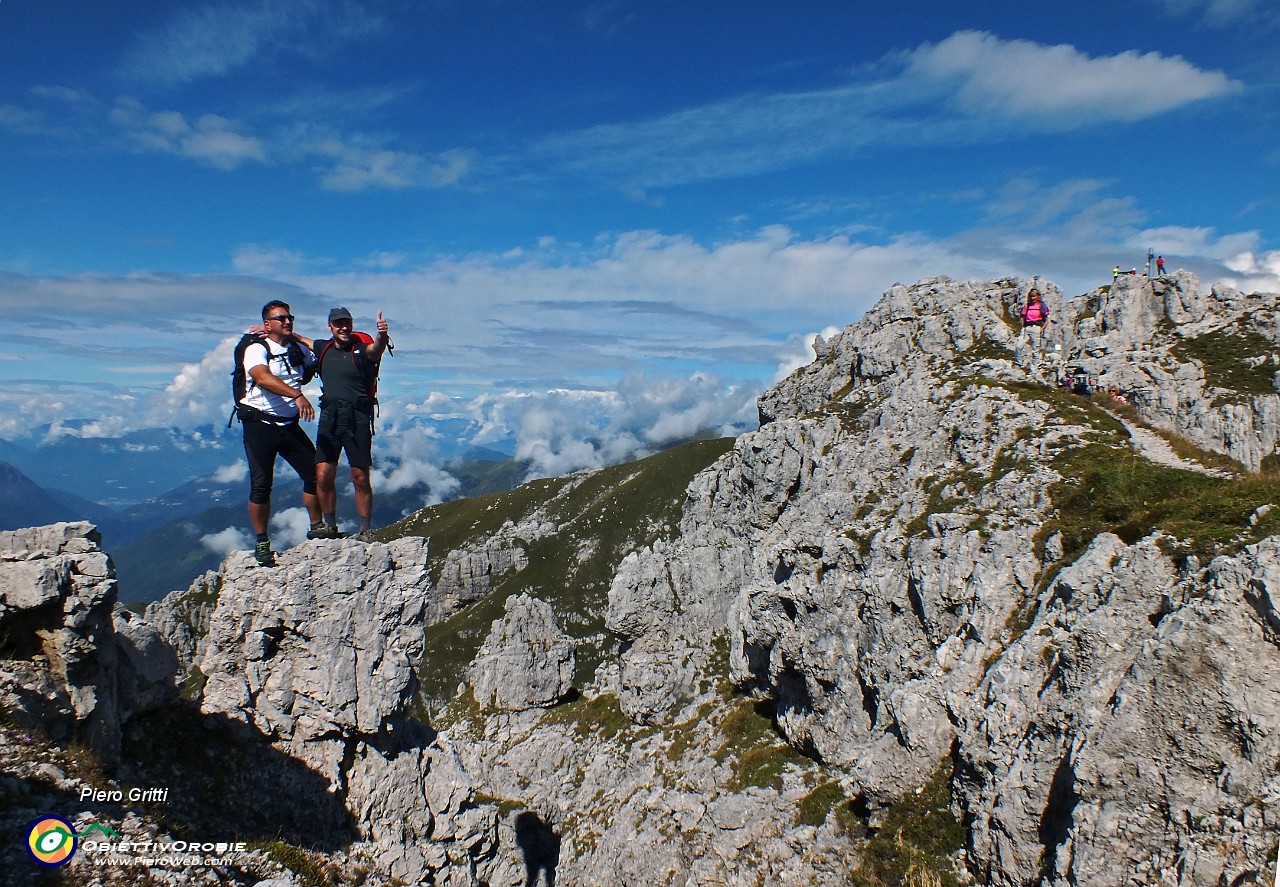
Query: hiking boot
x=263 y=554
x=366 y=536
x=323 y=531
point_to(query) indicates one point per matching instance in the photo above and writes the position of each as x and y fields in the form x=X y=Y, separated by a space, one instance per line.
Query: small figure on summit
x=1035 y=316
x=1160 y=266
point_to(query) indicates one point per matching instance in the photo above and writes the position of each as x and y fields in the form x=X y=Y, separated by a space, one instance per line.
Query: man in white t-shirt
x=275 y=371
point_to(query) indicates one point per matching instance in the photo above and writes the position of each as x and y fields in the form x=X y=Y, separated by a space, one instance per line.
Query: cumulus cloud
x=1058 y=85
x=411 y=457
x=200 y=391
x=289 y=527
x=563 y=430
x=804 y=353
x=233 y=473
x=210 y=138
x=706 y=320
x=226 y=541
x=1257 y=270
x=957 y=91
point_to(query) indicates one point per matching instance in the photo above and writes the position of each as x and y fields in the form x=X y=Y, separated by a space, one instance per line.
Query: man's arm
x=269 y=381
x=374 y=351
x=260 y=330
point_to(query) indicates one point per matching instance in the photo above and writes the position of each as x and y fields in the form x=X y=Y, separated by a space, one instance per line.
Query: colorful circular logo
x=51 y=841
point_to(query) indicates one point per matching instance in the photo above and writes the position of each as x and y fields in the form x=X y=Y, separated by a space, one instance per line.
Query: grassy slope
x=601 y=518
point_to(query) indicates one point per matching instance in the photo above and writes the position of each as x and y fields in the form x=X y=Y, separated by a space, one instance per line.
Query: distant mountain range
x=156 y=545
x=24 y=503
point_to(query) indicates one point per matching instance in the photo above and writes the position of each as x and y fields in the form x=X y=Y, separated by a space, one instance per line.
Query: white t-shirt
x=277 y=362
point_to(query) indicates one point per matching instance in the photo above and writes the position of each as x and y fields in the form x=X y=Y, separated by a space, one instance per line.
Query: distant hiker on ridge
x=347 y=365
x=1035 y=316
x=267 y=381
x=1160 y=266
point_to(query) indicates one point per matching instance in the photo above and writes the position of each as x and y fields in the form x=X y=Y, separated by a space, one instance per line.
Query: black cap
x=339 y=314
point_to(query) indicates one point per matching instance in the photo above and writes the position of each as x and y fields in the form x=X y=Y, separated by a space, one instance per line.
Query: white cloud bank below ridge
x=620 y=324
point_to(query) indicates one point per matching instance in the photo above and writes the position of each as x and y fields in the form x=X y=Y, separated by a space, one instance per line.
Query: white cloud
x=212 y=40
x=233 y=473
x=211 y=139
x=289 y=528
x=804 y=353
x=267 y=261
x=697 y=323
x=200 y=391
x=408 y=456
x=1259 y=271
x=1222 y=12
x=562 y=430
x=971 y=87
x=357 y=168
x=1059 y=86
x=227 y=541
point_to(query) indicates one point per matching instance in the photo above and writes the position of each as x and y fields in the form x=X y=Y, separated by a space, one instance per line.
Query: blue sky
x=591 y=224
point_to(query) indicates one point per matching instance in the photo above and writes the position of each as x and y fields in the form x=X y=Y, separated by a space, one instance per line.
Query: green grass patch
x=916 y=841
x=817 y=806
x=985 y=349
x=311 y=869
x=756 y=752
x=1109 y=489
x=1182 y=448
x=599 y=716
x=1234 y=358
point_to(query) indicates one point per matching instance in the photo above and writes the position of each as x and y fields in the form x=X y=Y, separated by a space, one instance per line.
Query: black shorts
x=344 y=427
x=263 y=441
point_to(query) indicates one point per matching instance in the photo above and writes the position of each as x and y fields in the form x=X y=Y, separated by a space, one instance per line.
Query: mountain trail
x=1154 y=447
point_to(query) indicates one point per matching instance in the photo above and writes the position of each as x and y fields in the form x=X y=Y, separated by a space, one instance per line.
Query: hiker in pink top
x=1035 y=317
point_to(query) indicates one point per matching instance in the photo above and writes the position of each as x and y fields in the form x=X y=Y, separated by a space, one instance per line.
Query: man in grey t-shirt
x=348 y=369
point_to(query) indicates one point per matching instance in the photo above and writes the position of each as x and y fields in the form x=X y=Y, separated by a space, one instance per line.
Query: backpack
x=240 y=381
x=369 y=368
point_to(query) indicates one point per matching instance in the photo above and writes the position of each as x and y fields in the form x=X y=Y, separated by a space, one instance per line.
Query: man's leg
x=364 y=495
x=328 y=449
x=298 y=450
x=327 y=488
x=260 y=517
x=360 y=457
x=260 y=442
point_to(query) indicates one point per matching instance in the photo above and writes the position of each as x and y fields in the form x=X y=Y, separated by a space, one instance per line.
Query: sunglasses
x=282 y=318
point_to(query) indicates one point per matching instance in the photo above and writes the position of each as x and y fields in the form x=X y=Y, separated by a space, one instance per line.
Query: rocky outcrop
x=526 y=661
x=73 y=664
x=317 y=656
x=1131 y=734
x=892 y=595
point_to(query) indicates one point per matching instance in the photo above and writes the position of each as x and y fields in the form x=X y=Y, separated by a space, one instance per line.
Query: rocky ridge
x=940 y=620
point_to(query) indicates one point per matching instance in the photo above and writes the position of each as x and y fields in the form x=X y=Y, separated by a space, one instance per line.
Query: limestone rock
x=526 y=661
x=64 y=666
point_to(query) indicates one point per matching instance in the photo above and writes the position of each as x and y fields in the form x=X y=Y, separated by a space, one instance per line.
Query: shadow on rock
x=227 y=783
x=541 y=848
